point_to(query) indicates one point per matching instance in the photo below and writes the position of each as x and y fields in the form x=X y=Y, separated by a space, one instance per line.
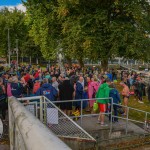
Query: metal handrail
x=70 y=119
x=86 y=115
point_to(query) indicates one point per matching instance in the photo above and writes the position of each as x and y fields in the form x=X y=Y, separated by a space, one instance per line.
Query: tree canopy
x=98 y=30
x=79 y=29
x=14 y=21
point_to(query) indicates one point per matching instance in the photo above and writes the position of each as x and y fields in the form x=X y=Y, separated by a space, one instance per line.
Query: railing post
x=45 y=111
x=145 y=120
x=111 y=115
x=127 y=117
x=41 y=109
x=81 y=113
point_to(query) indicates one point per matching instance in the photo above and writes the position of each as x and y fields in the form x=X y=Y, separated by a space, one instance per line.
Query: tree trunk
x=69 y=61
x=30 y=59
x=22 y=59
x=37 y=61
x=104 y=65
x=81 y=63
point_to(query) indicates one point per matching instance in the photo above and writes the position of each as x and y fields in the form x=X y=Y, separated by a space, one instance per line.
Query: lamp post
x=8 y=48
x=17 y=51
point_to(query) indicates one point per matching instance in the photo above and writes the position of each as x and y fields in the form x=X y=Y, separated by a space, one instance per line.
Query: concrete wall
x=28 y=133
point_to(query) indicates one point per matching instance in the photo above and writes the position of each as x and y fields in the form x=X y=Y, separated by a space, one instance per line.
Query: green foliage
x=91 y=29
x=14 y=20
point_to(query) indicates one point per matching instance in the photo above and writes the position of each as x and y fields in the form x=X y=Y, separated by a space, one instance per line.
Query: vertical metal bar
x=41 y=109
x=127 y=117
x=11 y=128
x=111 y=116
x=45 y=116
x=36 y=109
x=17 y=51
x=8 y=48
x=145 y=120
x=81 y=113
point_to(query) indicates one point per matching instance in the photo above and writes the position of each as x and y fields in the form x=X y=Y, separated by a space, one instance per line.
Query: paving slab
x=90 y=124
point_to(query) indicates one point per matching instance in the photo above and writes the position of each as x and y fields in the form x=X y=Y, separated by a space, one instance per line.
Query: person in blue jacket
x=79 y=93
x=47 y=90
x=16 y=88
x=116 y=100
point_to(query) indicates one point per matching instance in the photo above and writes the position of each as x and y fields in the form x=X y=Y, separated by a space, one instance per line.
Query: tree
x=98 y=30
x=14 y=20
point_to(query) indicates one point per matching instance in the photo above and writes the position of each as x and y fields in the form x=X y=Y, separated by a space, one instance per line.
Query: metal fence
x=125 y=122
x=55 y=119
x=64 y=126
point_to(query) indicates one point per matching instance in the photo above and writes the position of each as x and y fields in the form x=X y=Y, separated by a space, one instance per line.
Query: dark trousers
x=3 y=108
x=115 y=113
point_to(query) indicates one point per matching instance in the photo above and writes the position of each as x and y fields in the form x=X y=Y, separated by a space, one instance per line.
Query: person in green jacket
x=103 y=92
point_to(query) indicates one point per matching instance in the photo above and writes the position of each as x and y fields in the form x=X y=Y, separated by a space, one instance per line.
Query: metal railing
x=64 y=126
x=27 y=132
x=131 y=113
x=56 y=120
x=127 y=119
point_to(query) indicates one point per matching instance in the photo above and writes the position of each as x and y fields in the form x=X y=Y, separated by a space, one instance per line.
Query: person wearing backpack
x=3 y=103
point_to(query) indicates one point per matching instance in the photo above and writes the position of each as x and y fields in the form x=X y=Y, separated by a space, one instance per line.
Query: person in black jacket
x=3 y=102
x=66 y=91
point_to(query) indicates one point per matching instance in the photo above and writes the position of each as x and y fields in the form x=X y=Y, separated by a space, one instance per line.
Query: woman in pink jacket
x=9 y=87
x=90 y=92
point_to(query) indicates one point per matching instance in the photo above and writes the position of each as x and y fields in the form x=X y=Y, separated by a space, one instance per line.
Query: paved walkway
x=90 y=124
x=4 y=147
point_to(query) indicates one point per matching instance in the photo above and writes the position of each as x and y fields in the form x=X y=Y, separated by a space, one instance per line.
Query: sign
x=52 y=116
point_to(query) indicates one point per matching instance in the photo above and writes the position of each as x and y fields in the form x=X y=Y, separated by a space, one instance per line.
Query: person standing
x=90 y=93
x=55 y=83
x=79 y=92
x=116 y=100
x=3 y=103
x=125 y=93
x=66 y=91
x=103 y=92
x=16 y=88
x=47 y=90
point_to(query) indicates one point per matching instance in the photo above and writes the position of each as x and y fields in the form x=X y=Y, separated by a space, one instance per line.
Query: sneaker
x=104 y=125
x=123 y=114
x=140 y=102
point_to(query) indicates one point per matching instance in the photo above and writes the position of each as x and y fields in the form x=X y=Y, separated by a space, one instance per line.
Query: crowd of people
x=75 y=83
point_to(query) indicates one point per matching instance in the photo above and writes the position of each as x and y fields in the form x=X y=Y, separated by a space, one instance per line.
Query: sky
x=11 y=4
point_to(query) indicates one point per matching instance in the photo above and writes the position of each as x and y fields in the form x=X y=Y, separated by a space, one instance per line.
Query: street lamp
x=17 y=51
x=8 y=48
